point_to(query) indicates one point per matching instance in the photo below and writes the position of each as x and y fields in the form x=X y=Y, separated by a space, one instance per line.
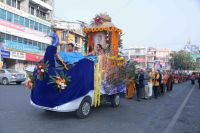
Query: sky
x=145 y=23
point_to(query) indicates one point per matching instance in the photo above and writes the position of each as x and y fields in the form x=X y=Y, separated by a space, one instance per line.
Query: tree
x=182 y=60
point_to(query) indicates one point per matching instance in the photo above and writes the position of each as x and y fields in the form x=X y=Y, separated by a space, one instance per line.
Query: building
x=24 y=25
x=158 y=56
x=137 y=54
x=69 y=32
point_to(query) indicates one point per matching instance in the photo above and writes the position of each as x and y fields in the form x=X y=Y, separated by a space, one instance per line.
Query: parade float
x=66 y=82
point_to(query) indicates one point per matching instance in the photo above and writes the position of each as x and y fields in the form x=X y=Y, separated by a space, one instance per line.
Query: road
x=176 y=112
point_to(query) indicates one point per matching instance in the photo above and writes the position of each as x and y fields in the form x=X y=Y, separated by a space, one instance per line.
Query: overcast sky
x=157 y=23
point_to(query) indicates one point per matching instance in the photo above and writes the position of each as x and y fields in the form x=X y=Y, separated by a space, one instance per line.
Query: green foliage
x=131 y=69
x=182 y=60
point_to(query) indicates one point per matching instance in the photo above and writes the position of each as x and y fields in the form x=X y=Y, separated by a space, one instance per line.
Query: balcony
x=43 y=4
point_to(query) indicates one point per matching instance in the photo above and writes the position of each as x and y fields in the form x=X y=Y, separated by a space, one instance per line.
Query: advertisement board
x=33 y=57
x=5 y=54
x=139 y=59
x=17 y=55
x=20 y=28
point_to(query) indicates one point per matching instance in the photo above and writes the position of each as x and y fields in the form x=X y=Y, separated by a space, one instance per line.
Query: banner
x=33 y=57
x=17 y=55
x=5 y=54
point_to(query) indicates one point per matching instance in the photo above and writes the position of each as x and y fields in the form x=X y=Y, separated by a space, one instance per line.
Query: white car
x=8 y=76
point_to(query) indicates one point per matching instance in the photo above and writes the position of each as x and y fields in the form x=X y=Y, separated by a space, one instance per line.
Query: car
x=8 y=76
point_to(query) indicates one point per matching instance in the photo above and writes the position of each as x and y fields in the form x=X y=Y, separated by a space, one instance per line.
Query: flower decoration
x=60 y=81
x=41 y=69
x=98 y=20
x=30 y=82
x=101 y=18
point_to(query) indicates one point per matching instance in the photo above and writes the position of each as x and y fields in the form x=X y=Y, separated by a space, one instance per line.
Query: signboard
x=33 y=57
x=139 y=59
x=21 y=47
x=20 y=28
x=5 y=54
x=17 y=55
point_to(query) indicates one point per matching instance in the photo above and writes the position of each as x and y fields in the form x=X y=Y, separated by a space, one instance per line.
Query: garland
x=60 y=59
x=96 y=87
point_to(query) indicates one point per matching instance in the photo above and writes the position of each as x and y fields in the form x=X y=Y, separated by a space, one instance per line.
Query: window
x=36 y=26
x=25 y=41
x=8 y=37
x=137 y=51
x=77 y=39
x=2 y=37
x=9 y=2
x=3 y=14
x=44 y=28
x=14 y=38
x=13 y=3
x=21 y=20
x=32 y=24
x=35 y=43
x=38 y=13
x=16 y=19
x=2 y=71
x=19 y=40
x=9 y=16
x=18 y=4
x=26 y=22
x=64 y=36
x=39 y=45
x=48 y=30
x=30 y=42
x=43 y=47
x=40 y=27
x=32 y=10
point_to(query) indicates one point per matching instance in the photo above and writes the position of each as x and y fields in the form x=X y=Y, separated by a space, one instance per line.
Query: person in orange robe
x=130 y=90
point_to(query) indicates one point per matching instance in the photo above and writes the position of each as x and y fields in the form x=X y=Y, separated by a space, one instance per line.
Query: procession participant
x=160 y=80
x=70 y=47
x=170 y=81
x=150 y=82
x=199 y=80
x=156 y=84
x=146 y=87
x=193 y=79
x=165 y=80
x=161 y=83
x=131 y=87
x=140 y=85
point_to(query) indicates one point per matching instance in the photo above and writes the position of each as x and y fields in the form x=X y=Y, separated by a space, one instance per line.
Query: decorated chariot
x=66 y=82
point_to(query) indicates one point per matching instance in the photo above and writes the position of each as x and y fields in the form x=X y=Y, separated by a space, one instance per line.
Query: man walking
x=140 y=85
x=156 y=84
x=146 y=87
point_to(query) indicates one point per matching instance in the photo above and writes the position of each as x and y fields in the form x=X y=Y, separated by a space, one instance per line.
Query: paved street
x=176 y=112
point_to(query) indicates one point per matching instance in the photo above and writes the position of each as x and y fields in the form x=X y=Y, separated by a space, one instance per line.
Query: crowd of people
x=148 y=84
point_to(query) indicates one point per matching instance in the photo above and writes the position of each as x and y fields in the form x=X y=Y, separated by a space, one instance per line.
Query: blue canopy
x=73 y=57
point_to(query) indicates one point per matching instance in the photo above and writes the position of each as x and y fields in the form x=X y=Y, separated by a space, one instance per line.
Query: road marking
x=178 y=113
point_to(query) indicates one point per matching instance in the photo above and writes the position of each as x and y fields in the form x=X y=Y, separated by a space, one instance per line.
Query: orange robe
x=130 y=91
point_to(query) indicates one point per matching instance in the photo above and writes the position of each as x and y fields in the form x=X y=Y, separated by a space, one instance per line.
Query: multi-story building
x=158 y=56
x=24 y=25
x=69 y=32
x=137 y=54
